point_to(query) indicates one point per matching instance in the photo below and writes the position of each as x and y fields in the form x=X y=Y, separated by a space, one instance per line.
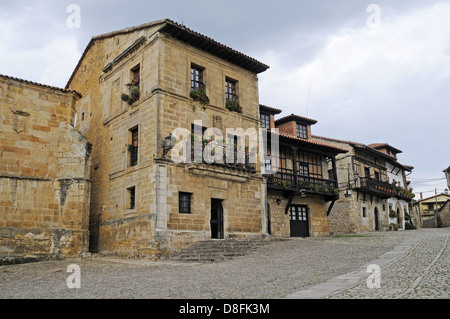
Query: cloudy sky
x=368 y=71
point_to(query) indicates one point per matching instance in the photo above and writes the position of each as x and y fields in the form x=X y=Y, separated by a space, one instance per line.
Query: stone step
x=217 y=250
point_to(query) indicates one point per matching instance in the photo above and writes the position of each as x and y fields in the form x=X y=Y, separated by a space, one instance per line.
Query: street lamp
x=168 y=144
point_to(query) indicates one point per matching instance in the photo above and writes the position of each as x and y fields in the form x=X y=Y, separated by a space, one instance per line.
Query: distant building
x=304 y=187
x=444 y=215
x=426 y=208
x=447 y=175
x=399 y=206
x=369 y=198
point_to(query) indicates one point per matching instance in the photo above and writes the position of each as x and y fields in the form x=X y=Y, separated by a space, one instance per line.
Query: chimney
x=421 y=196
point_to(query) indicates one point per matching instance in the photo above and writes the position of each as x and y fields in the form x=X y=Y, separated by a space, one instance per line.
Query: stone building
x=301 y=177
x=447 y=176
x=367 y=195
x=428 y=207
x=44 y=173
x=139 y=86
x=399 y=205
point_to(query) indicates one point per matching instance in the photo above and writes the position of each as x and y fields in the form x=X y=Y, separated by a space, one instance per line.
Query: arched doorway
x=376 y=219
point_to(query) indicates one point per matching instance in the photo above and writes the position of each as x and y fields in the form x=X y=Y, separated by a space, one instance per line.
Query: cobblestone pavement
x=423 y=273
x=417 y=267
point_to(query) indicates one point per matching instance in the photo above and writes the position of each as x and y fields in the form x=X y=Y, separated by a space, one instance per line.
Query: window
x=299 y=213
x=136 y=75
x=377 y=176
x=265 y=121
x=197 y=78
x=309 y=164
x=131 y=198
x=302 y=131
x=303 y=169
x=184 y=203
x=366 y=172
x=133 y=147
x=82 y=116
x=364 y=212
x=230 y=90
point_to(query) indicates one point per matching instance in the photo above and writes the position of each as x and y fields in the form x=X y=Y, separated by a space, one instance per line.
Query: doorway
x=376 y=219
x=217 y=219
x=298 y=215
x=269 y=232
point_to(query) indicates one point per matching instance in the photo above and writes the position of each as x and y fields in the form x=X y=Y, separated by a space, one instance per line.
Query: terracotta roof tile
x=197 y=39
x=270 y=109
x=313 y=143
x=294 y=117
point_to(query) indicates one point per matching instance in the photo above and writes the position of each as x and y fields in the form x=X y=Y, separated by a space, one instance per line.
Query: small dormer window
x=265 y=121
x=302 y=131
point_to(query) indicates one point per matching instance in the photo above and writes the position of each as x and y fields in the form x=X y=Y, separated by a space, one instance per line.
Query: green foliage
x=200 y=96
x=233 y=106
x=125 y=97
x=134 y=92
x=394 y=226
x=409 y=225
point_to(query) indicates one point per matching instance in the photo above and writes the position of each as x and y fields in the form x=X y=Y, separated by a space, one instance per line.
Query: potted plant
x=199 y=96
x=392 y=213
x=133 y=96
x=233 y=106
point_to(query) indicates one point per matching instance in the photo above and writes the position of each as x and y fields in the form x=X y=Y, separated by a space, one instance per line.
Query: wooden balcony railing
x=311 y=185
x=383 y=189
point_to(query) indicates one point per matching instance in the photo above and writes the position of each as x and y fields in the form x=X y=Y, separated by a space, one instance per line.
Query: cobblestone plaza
x=413 y=265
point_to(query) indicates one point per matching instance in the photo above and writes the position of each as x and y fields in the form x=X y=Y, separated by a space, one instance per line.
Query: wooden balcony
x=310 y=185
x=376 y=187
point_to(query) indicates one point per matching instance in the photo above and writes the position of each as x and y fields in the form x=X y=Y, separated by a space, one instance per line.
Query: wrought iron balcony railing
x=197 y=85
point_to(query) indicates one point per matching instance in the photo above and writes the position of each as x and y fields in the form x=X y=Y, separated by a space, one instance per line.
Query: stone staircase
x=208 y=251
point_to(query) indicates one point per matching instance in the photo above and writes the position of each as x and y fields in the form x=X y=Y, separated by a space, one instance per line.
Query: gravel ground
x=273 y=271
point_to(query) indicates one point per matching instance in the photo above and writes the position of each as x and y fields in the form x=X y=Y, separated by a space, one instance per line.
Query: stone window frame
x=231 y=89
x=197 y=80
x=185 y=210
x=131 y=199
x=364 y=211
x=130 y=142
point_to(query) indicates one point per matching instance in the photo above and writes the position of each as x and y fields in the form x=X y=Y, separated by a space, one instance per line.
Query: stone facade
x=367 y=194
x=425 y=209
x=303 y=188
x=44 y=172
x=447 y=175
x=318 y=221
x=163 y=62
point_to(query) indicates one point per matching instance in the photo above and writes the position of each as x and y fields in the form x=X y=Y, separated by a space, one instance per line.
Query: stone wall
x=347 y=215
x=444 y=215
x=442 y=219
x=319 y=223
x=44 y=173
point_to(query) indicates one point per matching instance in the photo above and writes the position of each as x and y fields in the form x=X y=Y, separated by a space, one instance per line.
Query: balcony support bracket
x=290 y=199
x=330 y=208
